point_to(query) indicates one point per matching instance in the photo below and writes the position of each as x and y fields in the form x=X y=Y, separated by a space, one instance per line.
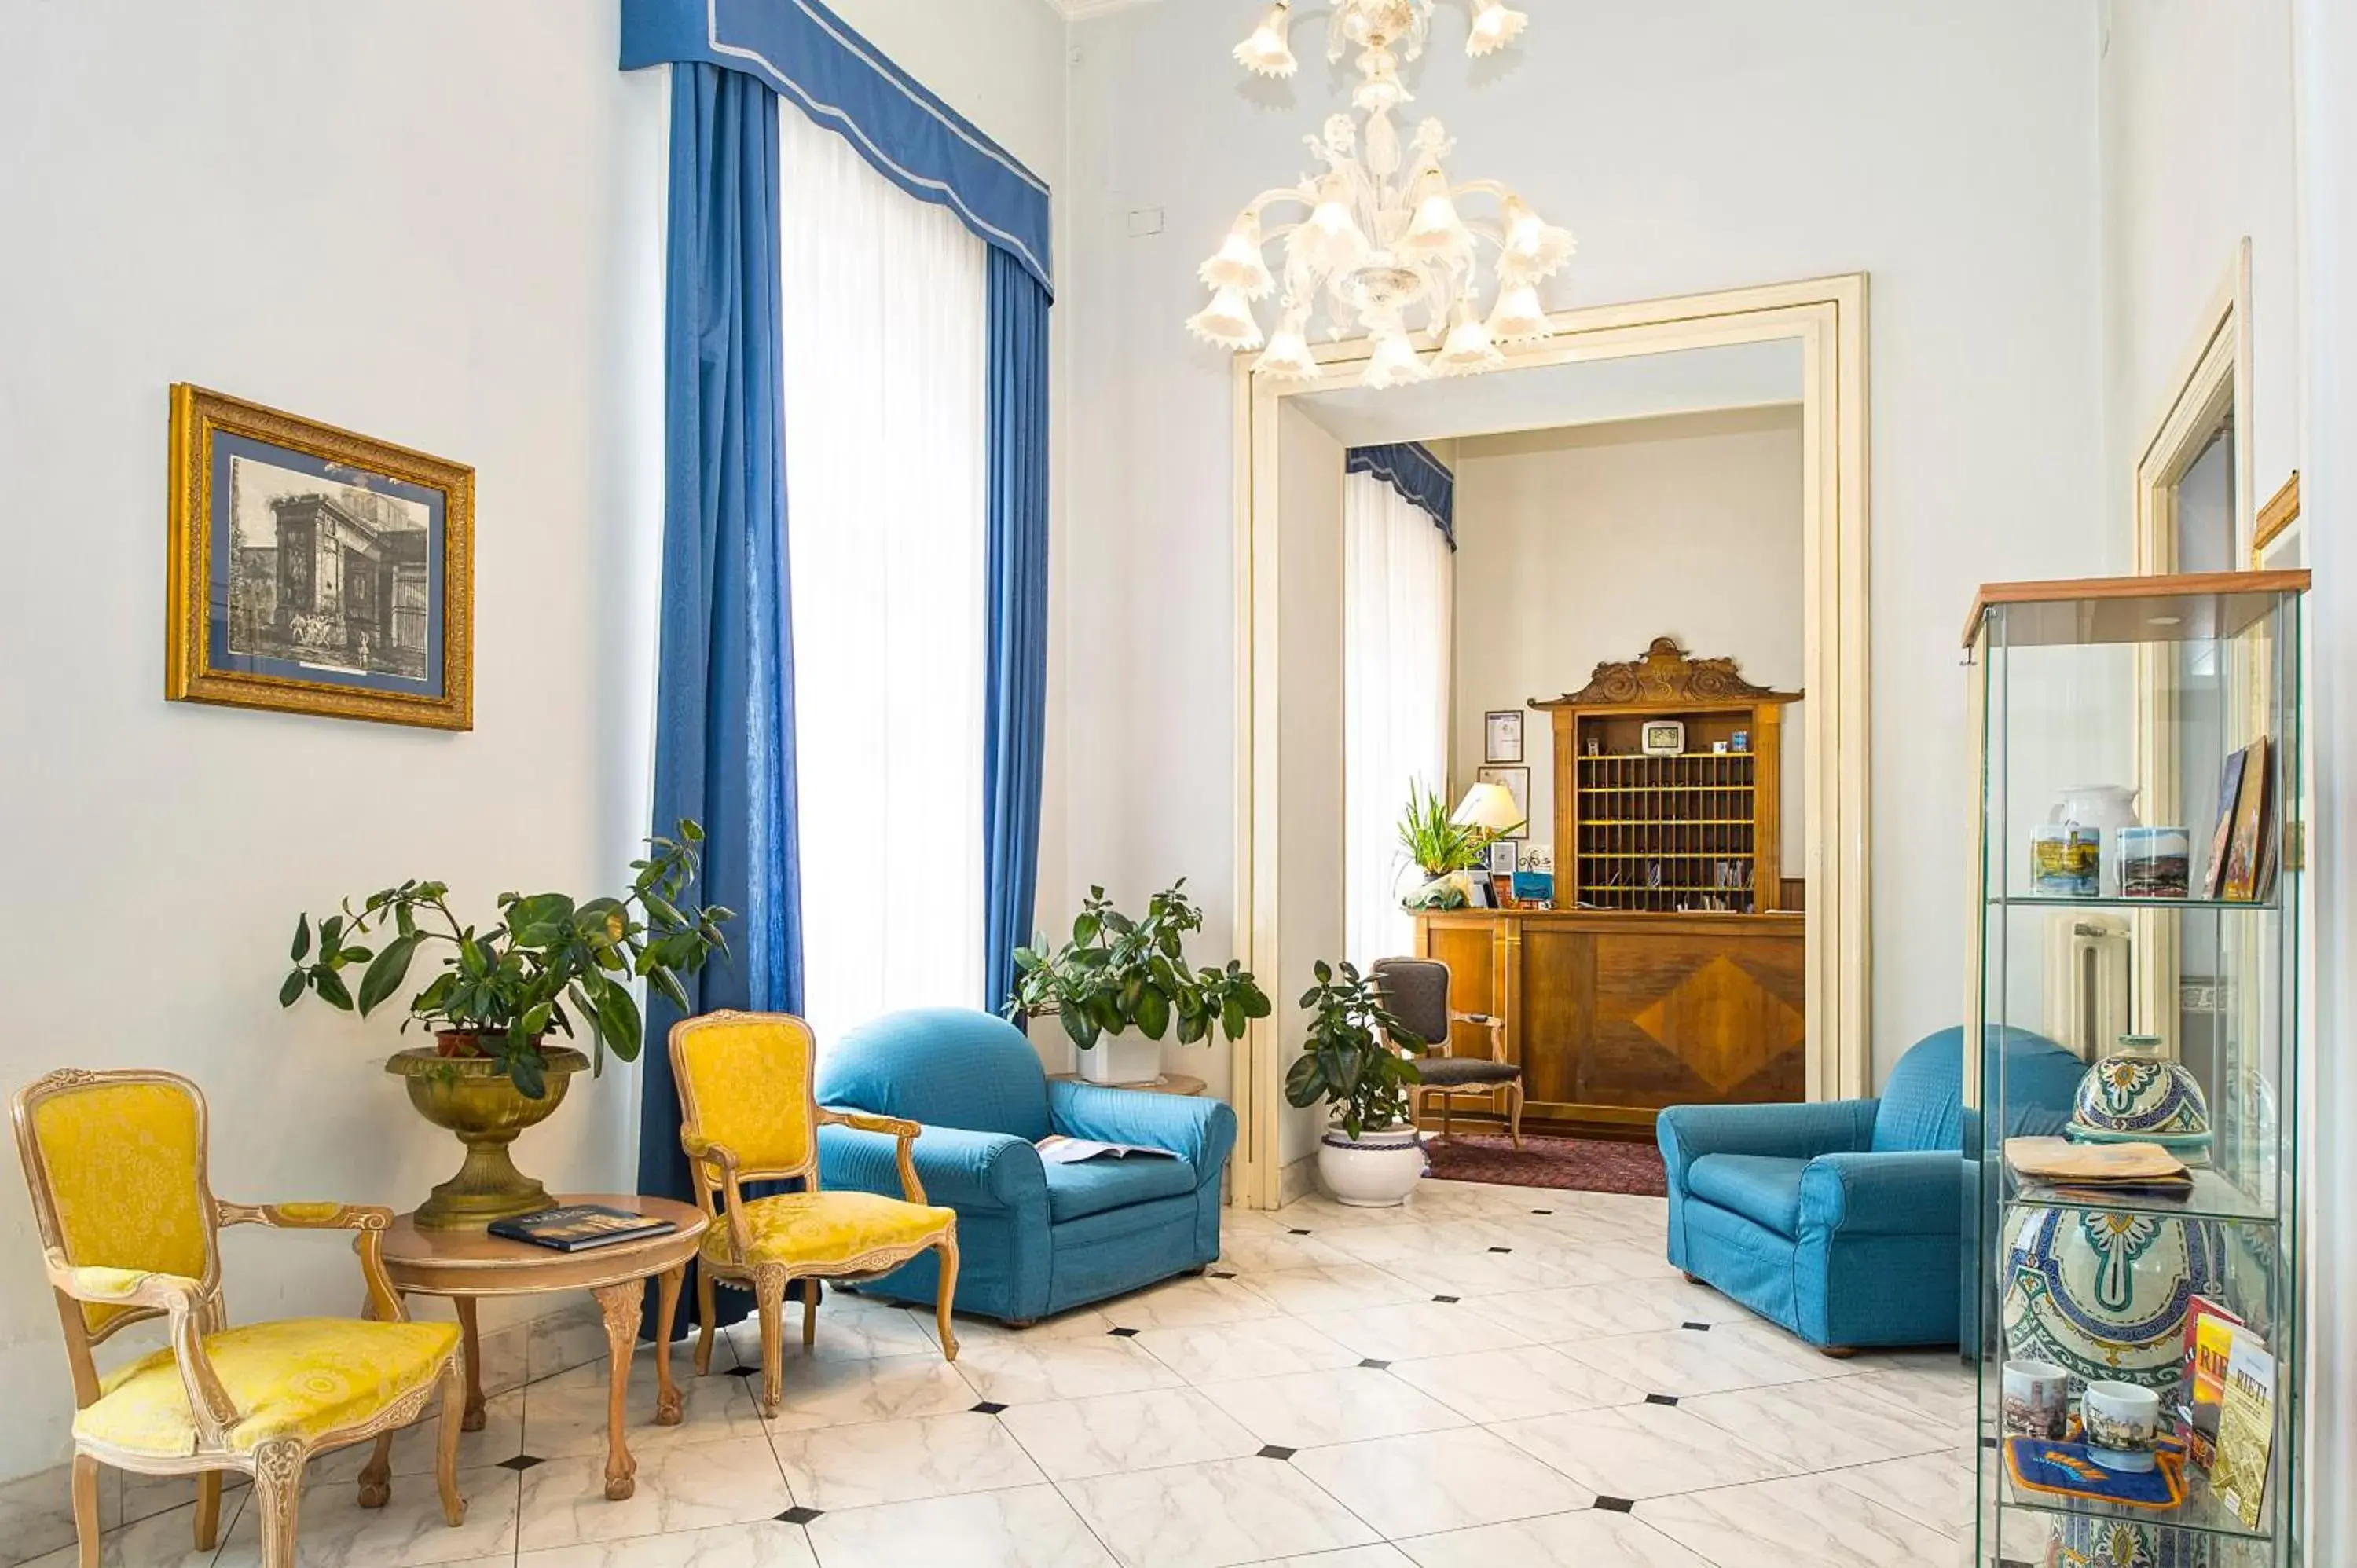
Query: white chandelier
x=1383 y=235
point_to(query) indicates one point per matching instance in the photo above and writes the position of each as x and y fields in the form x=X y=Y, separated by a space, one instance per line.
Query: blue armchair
x=1843 y=1220
x=1033 y=1238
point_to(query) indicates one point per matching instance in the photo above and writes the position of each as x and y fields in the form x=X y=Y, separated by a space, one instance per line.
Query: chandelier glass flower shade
x=1379 y=236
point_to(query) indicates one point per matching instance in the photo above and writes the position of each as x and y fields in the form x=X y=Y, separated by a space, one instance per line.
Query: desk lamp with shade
x=1490 y=811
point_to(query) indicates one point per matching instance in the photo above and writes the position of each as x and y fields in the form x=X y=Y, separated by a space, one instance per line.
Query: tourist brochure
x=1058 y=1150
x=2246 y=1429
x=2210 y=1334
x=578 y=1226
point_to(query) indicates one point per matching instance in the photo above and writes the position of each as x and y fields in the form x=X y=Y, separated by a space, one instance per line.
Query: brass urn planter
x=473 y=1097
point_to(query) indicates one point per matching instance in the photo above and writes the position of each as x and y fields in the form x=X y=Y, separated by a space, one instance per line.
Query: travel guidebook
x=2246 y=1431
x=2210 y=1334
x=578 y=1226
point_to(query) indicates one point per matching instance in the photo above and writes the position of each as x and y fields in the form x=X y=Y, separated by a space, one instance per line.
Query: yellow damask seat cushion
x=304 y=1377
x=821 y=1229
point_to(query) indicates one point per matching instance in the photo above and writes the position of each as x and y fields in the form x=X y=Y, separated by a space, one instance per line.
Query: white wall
x=437 y=222
x=2198 y=153
x=1948 y=151
x=301 y=207
x=2326 y=98
x=1577 y=546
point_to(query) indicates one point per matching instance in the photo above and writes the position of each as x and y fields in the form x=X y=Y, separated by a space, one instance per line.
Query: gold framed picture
x=315 y=571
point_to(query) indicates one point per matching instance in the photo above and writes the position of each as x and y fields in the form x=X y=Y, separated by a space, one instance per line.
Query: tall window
x=1398 y=596
x=885 y=335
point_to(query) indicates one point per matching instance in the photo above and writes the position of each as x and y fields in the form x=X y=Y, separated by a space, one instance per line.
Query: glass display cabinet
x=2131 y=1132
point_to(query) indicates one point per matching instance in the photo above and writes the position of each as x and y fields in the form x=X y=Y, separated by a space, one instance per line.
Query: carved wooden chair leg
x=945 y=1294
x=1515 y=1116
x=446 y=1449
x=208 y=1495
x=85 y=1510
x=770 y=1295
x=810 y=1311
x=278 y=1498
x=1447 y=1113
x=376 y=1476
x=704 y=1318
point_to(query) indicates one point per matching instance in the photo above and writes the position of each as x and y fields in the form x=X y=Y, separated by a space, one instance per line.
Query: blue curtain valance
x=1421 y=479
x=804 y=52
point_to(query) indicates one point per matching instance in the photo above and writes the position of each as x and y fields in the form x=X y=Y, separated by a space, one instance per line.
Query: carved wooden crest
x=1666 y=675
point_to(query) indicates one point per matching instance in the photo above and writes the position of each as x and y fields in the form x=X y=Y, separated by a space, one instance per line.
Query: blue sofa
x=1033 y=1238
x=1843 y=1220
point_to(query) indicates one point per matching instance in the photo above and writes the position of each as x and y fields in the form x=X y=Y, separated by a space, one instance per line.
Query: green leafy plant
x=1352 y=1060
x=1437 y=846
x=1119 y=973
x=546 y=964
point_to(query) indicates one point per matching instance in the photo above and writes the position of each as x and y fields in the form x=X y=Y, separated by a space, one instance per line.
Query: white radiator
x=2087 y=982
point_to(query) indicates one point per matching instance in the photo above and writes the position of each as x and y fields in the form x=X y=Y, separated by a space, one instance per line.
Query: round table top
x=475 y=1263
x=1168 y=1083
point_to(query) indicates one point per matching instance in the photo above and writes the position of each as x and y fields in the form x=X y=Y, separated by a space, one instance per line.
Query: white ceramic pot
x=1376 y=1170
x=2104 y=1293
x=1122 y=1059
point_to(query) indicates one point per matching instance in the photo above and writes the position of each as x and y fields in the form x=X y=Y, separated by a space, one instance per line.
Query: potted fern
x=1122 y=983
x=1357 y=1061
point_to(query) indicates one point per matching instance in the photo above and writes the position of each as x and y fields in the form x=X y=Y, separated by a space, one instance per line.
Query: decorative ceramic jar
x=473 y=1097
x=2136 y=1095
x=1377 y=1169
x=2105 y=1293
x=2106 y=808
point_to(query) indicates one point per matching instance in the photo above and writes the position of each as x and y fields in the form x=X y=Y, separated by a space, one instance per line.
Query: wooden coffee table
x=467 y=1265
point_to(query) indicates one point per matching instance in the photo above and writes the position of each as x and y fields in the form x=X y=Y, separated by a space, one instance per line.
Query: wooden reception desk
x=1615 y=1015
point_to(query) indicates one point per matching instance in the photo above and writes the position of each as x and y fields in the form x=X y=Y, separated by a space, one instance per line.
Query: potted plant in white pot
x=1120 y=984
x=1356 y=1061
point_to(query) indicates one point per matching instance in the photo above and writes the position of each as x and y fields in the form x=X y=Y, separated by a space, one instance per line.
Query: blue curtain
x=724 y=730
x=1421 y=479
x=1016 y=681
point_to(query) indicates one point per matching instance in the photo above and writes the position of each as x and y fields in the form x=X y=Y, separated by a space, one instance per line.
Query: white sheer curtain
x=1398 y=602
x=886 y=347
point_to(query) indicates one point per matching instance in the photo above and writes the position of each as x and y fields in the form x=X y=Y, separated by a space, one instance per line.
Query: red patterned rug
x=1582 y=1165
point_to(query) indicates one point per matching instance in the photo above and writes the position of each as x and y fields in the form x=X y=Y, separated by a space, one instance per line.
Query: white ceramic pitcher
x=2106 y=808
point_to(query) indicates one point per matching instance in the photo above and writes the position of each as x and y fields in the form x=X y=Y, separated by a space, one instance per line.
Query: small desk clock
x=1664 y=737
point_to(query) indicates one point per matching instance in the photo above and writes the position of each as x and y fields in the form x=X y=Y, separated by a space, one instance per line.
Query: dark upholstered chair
x=1417 y=990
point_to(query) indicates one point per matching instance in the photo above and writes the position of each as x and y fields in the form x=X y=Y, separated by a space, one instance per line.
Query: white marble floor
x=1493 y=1378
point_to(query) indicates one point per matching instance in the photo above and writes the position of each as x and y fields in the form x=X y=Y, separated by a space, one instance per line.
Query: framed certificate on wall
x=1502 y=735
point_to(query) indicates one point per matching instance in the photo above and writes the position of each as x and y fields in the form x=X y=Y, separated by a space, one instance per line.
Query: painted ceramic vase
x=2135 y=1097
x=2108 y=1543
x=2104 y=1293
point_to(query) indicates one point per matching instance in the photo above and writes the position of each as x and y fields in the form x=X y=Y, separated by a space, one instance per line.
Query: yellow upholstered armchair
x=130 y=1230
x=748 y=1113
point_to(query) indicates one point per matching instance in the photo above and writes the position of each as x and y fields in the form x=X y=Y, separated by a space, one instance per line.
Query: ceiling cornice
x=1081 y=10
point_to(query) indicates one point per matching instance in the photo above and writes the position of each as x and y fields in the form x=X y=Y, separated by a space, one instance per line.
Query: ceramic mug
x=2036 y=1400
x=2119 y=1423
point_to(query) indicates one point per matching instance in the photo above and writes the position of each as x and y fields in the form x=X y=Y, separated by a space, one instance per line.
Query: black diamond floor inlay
x=521 y=1462
x=1661 y=1399
x=1501 y=1249
x=799 y=1515
x=1297 y=1232
x=1542 y=1211
x=1123 y=1332
x=1274 y=1451
x=1697 y=1328
x=1376 y=1365
x=1615 y=1505
x=742 y=1372
x=1445 y=1300
x=988 y=1407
